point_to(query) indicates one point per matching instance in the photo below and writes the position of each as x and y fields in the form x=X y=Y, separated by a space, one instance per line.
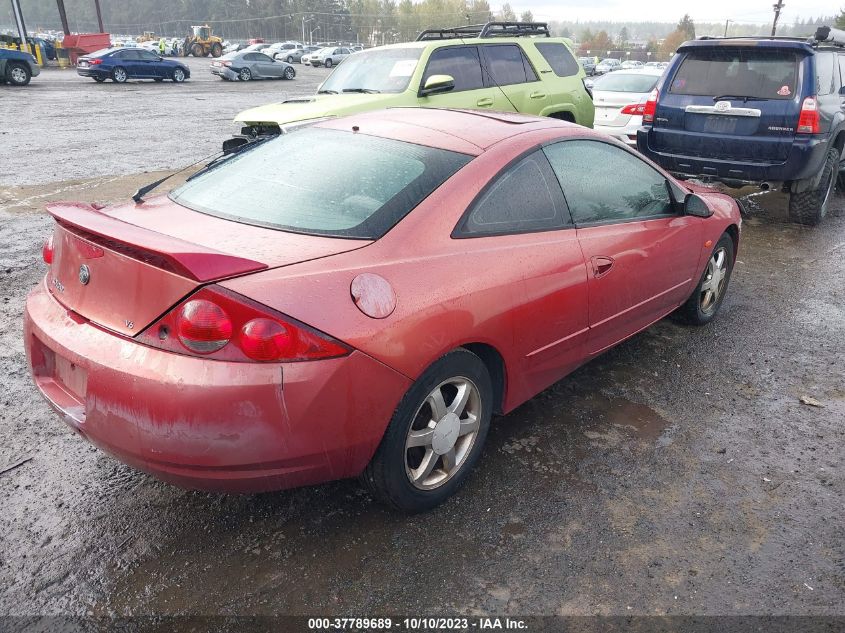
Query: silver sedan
x=246 y=65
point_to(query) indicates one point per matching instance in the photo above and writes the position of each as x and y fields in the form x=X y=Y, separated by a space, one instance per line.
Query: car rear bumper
x=626 y=133
x=214 y=425
x=805 y=159
x=93 y=72
x=225 y=72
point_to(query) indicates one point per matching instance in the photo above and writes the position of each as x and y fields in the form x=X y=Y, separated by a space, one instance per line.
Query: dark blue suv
x=754 y=111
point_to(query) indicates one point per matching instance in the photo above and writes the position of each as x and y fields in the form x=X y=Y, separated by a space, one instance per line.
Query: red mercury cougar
x=366 y=311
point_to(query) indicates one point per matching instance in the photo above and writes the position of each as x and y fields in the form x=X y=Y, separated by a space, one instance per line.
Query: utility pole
x=777 y=8
x=726 y=27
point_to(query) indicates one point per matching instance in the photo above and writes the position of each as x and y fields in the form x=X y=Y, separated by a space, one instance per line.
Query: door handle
x=486 y=101
x=601 y=265
x=537 y=95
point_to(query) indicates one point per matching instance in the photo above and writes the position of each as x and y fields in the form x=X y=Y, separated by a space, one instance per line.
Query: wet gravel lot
x=677 y=474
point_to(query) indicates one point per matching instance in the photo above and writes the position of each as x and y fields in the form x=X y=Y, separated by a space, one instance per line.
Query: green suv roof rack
x=490 y=29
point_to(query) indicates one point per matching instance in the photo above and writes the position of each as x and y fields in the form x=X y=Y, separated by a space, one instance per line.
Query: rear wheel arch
x=562 y=115
x=495 y=364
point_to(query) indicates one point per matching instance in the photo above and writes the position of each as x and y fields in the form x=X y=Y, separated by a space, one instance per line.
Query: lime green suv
x=506 y=66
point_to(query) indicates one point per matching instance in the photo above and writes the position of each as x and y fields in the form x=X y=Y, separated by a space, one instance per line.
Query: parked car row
x=174 y=306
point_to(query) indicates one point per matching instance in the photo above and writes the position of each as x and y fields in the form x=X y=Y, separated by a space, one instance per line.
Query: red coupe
x=365 y=312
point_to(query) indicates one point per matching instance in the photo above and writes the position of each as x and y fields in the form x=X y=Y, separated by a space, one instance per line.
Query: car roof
x=651 y=70
x=471 y=41
x=465 y=131
x=748 y=42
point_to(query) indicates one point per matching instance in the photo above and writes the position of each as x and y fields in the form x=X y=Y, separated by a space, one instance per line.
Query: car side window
x=124 y=55
x=824 y=73
x=461 y=62
x=604 y=183
x=146 y=55
x=254 y=57
x=524 y=198
x=507 y=64
x=559 y=58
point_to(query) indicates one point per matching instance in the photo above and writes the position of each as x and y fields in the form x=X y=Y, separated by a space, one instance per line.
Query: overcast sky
x=756 y=11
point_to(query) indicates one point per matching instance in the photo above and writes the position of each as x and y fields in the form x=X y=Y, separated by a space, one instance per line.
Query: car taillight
x=203 y=327
x=651 y=106
x=222 y=325
x=634 y=108
x=95 y=62
x=808 y=120
x=47 y=251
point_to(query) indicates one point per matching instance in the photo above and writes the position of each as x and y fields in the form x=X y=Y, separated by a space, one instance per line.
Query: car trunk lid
x=609 y=106
x=124 y=266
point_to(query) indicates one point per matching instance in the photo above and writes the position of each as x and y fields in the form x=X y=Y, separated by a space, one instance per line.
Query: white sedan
x=620 y=99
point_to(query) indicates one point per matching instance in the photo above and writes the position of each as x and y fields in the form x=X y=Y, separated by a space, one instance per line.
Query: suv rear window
x=745 y=72
x=341 y=184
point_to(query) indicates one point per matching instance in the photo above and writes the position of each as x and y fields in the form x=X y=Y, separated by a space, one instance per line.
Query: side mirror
x=437 y=84
x=695 y=205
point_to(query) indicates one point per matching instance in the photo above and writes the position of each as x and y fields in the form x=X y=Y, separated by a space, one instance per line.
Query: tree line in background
x=371 y=21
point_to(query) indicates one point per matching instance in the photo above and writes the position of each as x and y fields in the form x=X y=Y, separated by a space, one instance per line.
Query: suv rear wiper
x=369 y=91
x=745 y=98
x=327 y=92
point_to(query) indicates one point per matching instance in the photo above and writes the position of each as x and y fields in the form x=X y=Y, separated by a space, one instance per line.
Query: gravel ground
x=677 y=474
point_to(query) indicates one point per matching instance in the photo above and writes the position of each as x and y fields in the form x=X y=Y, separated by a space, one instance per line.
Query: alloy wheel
x=18 y=75
x=715 y=280
x=119 y=75
x=178 y=75
x=442 y=433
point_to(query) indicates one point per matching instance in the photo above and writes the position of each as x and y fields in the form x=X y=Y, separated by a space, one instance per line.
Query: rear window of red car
x=338 y=184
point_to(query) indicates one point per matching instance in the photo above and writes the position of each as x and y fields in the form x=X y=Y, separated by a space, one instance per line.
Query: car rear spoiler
x=162 y=251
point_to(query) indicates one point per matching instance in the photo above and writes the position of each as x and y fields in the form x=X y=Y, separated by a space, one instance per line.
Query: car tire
x=704 y=302
x=290 y=72
x=119 y=75
x=216 y=50
x=418 y=466
x=99 y=80
x=810 y=207
x=289 y=60
x=328 y=62
x=178 y=75
x=244 y=74
x=18 y=74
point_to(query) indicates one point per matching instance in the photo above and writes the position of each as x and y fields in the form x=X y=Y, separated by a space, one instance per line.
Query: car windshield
x=738 y=72
x=625 y=82
x=383 y=70
x=342 y=184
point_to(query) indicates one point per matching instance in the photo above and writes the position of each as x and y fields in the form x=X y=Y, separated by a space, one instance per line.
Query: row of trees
x=372 y=21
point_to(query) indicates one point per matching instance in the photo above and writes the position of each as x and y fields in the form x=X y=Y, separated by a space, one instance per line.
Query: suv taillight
x=808 y=120
x=222 y=325
x=651 y=106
